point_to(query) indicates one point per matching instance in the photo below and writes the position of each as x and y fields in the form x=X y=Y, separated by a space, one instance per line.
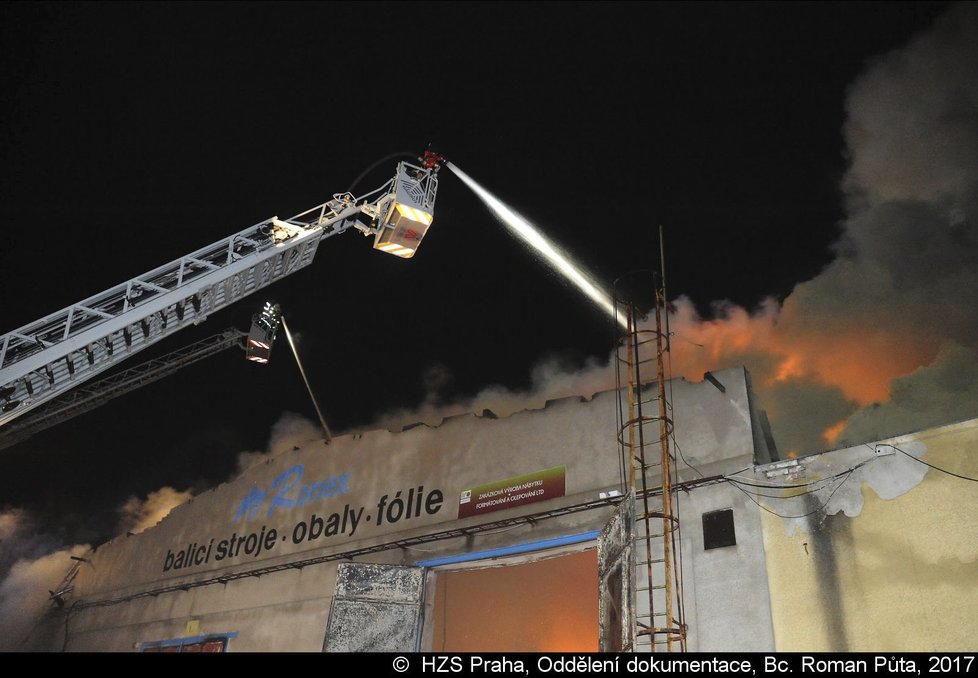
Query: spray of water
x=529 y=234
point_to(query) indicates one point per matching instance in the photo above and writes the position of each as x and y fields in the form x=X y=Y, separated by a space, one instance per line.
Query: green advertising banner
x=504 y=494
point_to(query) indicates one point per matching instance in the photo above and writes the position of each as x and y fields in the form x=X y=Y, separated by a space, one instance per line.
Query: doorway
x=524 y=604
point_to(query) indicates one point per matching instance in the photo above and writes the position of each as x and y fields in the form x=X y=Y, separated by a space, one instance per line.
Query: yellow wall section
x=900 y=576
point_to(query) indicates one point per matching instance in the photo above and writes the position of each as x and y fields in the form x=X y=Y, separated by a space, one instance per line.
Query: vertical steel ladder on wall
x=648 y=465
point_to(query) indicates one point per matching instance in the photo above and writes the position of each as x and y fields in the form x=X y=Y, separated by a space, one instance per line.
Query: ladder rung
x=675 y=633
x=654 y=561
x=653 y=588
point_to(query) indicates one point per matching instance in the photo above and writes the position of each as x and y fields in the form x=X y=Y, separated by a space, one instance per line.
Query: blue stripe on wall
x=511 y=550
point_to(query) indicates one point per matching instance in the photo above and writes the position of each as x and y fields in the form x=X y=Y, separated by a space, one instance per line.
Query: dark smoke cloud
x=896 y=299
x=944 y=392
x=908 y=260
x=899 y=297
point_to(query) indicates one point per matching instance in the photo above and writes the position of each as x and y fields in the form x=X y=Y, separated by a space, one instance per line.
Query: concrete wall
x=285 y=611
x=892 y=562
x=727 y=600
x=725 y=590
x=342 y=494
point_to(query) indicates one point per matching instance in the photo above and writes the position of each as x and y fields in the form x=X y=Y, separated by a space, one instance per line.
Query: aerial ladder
x=98 y=392
x=45 y=359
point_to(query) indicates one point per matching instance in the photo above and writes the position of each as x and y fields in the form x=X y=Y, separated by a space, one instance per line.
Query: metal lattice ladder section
x=41 y=361
x=648 y=463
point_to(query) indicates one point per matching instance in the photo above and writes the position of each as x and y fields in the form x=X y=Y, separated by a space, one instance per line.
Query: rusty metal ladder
x=645 y=428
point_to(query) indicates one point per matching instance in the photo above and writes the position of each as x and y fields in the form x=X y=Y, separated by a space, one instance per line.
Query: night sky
x=132 y=134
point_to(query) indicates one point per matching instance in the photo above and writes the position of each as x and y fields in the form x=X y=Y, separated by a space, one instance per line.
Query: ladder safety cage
x=649 y=472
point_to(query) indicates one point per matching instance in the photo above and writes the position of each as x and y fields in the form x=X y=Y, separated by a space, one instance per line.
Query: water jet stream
x=530 y=235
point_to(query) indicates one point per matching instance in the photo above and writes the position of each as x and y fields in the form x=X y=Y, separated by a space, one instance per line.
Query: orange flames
x=832 y=433
x=858 y=358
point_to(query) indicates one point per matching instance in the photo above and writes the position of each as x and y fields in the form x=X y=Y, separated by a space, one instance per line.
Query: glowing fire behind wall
x=544 y=606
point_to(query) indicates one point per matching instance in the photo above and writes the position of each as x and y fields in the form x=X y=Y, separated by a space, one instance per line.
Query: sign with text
x=504 y=494
x=327 y=516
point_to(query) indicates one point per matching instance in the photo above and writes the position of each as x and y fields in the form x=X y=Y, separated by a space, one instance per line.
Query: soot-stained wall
x=886 y=558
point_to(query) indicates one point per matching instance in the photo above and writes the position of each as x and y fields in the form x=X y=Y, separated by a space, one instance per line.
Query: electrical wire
x=416 y=548
x=746 y=468
x=771 y=483
x=801 y=485
x=376 y=164
x=498 y=530
x=804 y=515
x=736 y=483
x=768 y=483
x=781 y=496
x=686 y=339
x=936 y=468
x=729 y=477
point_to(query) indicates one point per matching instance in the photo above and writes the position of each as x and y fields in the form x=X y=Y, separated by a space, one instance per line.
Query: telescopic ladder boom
x=44 y=359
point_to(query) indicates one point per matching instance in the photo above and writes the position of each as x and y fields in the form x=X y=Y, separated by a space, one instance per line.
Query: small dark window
x=718 y=529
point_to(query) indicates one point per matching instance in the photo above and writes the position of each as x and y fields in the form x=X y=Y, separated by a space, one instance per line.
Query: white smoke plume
x=291 y=430
x=552 y=378
x=24 y=595
x=136 y=514
x=20 y=539
x=31 y=564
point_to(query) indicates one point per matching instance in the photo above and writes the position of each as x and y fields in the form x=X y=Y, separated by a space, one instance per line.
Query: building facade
x=486 y=533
